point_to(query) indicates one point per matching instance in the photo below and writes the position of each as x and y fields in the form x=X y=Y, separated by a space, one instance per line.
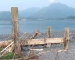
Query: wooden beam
x=36 y=41
x=15 y=30
x=41 y=41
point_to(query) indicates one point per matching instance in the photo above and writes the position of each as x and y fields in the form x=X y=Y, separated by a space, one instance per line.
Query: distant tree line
x=71 y=17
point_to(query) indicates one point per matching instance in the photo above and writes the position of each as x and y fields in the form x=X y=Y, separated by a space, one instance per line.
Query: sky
x=5 y=5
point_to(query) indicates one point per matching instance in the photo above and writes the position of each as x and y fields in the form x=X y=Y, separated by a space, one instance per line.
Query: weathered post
x=49 y=32
x=49 y=35
x=66 y=38
x=15 y=30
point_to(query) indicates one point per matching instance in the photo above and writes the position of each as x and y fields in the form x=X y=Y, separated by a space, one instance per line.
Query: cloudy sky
x=5 y=5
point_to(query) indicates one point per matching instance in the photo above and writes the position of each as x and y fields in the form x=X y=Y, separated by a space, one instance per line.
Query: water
x=34 y=25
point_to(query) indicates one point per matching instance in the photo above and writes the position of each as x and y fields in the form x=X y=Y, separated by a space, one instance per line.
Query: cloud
x=52 y=1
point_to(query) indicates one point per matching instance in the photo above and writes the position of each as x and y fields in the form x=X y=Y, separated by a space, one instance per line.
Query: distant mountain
x=5 y=15
x=55 y=10
x=28 y=12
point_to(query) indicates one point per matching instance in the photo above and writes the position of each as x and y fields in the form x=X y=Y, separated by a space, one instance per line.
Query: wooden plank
x=5 y=50
x=41 y=41
x=15 y=30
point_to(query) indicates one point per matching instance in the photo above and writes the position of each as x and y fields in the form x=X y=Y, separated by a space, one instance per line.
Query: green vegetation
x=9 y=56
x=1 y=49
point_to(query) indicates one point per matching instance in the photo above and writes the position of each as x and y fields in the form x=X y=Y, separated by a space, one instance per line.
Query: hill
x=28 y=12
x=5 y=15
x=55 y=10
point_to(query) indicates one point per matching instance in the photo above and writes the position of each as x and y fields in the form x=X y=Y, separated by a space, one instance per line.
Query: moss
x=9 y=56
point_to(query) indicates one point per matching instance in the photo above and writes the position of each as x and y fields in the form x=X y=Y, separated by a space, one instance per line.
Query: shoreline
x=41 y=35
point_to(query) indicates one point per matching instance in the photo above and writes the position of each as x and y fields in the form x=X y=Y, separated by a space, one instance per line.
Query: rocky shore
x=52 y=52
x=40 y=35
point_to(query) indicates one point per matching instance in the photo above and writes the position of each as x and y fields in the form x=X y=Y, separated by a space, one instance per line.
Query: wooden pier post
x=66 y=38
x=49 y=34
x=15 y=30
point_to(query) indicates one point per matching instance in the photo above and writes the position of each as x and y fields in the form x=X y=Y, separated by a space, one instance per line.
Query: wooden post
x=15 y=30
x=49 y=35
x=66 y=38
x=49 y=32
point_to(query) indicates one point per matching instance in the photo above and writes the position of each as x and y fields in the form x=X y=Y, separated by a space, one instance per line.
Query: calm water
x=34 y=25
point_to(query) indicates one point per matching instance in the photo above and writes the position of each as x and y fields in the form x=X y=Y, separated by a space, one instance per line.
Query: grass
x=8 y=55
x=1 y=49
